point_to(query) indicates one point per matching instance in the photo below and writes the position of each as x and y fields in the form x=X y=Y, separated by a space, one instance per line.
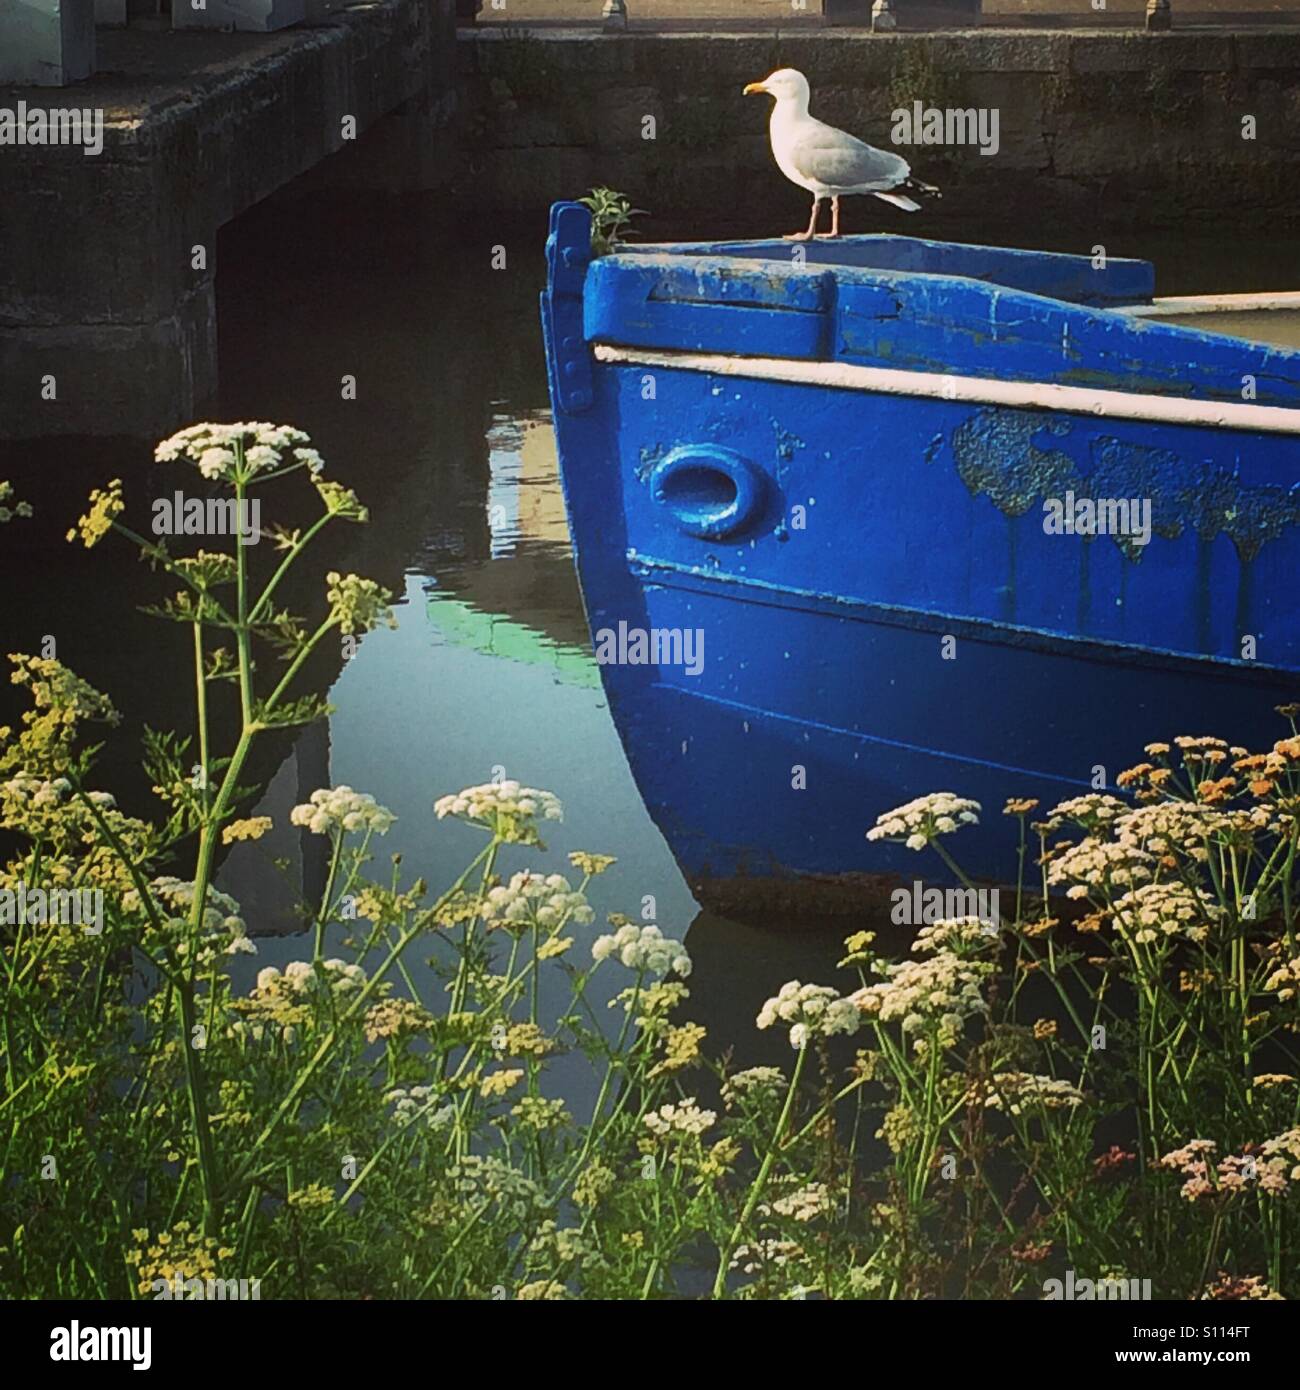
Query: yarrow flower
x=1159 y=910
x=251 y=829
x=510 y=811
x=925 y=819
x=341 y=809
x=1099 y=865
x=1270 y=1167
x=1094 y=812
x=806 y=1203
x=1015 y=1091
x=932 y=996
x=643 y=949
x=811 y=1011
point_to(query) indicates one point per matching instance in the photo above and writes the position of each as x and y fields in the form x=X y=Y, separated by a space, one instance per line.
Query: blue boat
x=847 y=520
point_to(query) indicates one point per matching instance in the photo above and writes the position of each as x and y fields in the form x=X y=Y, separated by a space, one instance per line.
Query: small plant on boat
x=611 y=219
x=1100 y=1090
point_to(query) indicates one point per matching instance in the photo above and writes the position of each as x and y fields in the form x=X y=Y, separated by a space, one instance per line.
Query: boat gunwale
x=1100 y=403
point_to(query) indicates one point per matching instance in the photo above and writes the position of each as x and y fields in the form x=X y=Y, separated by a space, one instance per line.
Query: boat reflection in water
x=842 y=480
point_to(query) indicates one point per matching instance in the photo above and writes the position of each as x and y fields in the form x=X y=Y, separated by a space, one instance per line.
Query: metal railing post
x=882 y=16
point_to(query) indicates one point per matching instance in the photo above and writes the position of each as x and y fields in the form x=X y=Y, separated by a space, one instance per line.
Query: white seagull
x=829 y=162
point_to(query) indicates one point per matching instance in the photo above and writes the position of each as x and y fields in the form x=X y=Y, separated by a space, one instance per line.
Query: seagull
x=829 y=162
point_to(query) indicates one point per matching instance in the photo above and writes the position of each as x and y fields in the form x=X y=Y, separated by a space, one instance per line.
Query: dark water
x=489 y=668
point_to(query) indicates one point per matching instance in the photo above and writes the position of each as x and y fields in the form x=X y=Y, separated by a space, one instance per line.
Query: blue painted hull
x=890 y=617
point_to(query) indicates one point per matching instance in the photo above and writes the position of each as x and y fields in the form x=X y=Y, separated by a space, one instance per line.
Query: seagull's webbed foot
x=812 y=224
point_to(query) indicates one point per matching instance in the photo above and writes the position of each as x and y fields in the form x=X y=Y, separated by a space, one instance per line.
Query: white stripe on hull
x=1022 y=395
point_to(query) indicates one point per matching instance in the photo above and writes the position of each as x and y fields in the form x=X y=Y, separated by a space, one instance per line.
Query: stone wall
x=108 y=260
x=1113 y=127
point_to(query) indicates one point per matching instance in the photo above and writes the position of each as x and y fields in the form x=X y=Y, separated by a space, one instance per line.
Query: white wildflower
x=334 y=809
x=811 y=1011
x=925 y=819
x=643 y=949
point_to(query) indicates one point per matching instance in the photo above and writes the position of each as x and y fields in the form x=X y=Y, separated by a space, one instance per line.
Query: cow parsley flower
x=811 y=1011
x=546 y=901
x=240 y=451
x=339 y=809
x=925 y=819
x=961 y=935
x=358 y=604
x=643 y=949
x=507 y=809
x=758 y=1085
x=220 y=926
x=683 y=1118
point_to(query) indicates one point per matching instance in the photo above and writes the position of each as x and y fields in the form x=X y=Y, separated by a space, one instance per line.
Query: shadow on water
x=448 y=442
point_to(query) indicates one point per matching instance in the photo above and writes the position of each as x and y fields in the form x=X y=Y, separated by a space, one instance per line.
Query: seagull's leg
x=812 y=223
x=835 y=221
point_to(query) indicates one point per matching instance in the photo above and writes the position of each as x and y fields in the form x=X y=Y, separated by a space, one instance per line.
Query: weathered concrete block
x=1279 y=49
x=990 y=51
x=137 y=378
x=47 y=43
x=1128 y=52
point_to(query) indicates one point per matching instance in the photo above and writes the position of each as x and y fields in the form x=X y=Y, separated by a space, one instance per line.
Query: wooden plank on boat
x=1023 y=395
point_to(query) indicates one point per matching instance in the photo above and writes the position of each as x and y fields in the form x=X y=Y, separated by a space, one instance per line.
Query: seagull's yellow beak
x=754 y=89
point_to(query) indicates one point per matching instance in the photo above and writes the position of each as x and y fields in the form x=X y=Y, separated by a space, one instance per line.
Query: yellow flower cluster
x=251 y=829
x=497 y=1083
x=105 y=504
x=181 y=1251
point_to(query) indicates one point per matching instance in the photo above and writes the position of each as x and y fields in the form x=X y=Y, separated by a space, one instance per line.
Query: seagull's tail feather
x=900 y=202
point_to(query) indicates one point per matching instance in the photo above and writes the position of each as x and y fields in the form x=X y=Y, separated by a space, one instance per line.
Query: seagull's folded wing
x=839 y=160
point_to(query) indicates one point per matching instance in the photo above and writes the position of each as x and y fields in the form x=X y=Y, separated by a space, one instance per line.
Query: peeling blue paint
x=997 y=454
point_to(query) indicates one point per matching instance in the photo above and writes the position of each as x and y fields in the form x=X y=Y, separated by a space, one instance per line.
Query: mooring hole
x=698 y=491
